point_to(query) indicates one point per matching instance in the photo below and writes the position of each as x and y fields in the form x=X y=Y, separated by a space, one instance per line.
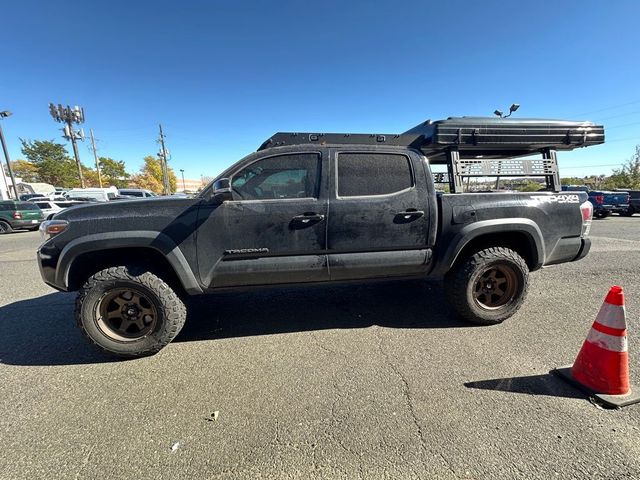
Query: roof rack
x=474 y=146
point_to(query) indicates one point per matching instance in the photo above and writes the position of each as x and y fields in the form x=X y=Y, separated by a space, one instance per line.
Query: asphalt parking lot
x=376 y=381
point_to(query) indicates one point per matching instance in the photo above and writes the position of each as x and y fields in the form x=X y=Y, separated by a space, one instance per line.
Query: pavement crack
x=84 y=462
x=406 y=392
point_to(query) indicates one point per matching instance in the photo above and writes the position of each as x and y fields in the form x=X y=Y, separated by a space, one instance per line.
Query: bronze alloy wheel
x=125 y=315
x=495 y=287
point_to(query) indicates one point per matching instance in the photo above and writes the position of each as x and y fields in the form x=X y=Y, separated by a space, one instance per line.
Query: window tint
x=43 y=205
x=284 y=176
x=372 y=174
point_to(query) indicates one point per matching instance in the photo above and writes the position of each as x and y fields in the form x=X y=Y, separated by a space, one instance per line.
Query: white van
x=98 y=194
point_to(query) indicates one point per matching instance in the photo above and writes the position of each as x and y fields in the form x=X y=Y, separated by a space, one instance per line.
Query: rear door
x=274 y=229
x=378 y=215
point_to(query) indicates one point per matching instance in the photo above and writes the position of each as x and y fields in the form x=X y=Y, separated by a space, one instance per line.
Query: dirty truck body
x=313 y=208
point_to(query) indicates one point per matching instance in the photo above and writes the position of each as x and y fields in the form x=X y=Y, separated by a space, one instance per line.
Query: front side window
x=284 y=176
x=366 y=174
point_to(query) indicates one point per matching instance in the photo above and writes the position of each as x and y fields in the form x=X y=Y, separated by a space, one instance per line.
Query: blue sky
x=222 y=76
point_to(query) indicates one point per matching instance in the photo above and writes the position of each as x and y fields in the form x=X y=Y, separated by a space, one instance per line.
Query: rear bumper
x=18 y=224
x=584 y=249
x=620 y=208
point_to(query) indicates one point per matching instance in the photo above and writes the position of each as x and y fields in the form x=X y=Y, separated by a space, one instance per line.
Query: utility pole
x=69 y=116
x=184 y=189
x=95 y=155
x=6 y=114
x=163 y=163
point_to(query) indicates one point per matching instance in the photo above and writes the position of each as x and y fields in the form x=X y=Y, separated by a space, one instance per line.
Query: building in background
x=190 y=186
x=4 y=185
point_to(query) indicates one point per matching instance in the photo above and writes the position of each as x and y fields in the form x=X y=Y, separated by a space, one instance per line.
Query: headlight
x=49 y=228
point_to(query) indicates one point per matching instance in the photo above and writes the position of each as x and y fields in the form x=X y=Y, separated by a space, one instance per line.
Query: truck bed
x=542 y=220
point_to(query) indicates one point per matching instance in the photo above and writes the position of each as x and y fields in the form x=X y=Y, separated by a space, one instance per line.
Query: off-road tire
x=628 y=213
x=600 y=214
x=169 y=308
x=5 y=227
x=461 y=285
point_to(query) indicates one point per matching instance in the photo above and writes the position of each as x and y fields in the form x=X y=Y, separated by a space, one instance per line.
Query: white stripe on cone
x=608 y=342
x=612 y=316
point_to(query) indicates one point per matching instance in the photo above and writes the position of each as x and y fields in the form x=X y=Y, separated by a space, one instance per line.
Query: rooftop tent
x=493 y=137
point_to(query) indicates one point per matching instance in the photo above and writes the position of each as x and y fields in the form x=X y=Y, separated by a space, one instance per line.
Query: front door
x=378 y=215
x=274 y=229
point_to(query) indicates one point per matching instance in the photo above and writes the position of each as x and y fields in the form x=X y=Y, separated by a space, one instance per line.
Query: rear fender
x=478 y=229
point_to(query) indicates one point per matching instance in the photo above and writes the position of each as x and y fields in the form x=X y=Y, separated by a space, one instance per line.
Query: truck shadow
x=546 y=384
x=41 y=331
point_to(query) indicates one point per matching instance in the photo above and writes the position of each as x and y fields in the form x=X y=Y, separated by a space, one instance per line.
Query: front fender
x=141 y=239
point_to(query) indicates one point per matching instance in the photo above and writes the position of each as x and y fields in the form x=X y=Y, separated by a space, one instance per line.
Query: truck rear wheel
x=129 y=311
x=488 y=287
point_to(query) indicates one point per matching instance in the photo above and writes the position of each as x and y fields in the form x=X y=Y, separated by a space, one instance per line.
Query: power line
x=619 y=115
x=613 y=107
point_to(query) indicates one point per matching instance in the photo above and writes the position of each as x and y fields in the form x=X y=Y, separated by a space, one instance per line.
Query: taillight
x=17 y=215
x=599 y=199
x=587 y=212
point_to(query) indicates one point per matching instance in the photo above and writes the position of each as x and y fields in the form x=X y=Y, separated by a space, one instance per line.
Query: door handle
x=410 y=213
x=308 y=218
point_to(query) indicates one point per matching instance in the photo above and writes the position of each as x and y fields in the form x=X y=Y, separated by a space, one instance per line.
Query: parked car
x=19 y=215
x=51 y=207
x=634 y=202
x=604 y=202
x=28 y=196
x=97 y=194
x=313 y=208
x=137 y=192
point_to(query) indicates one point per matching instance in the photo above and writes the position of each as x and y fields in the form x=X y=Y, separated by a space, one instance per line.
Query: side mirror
x=221 y=191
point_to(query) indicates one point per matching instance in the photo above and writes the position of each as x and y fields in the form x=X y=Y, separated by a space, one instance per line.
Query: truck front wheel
x=129 y=311
x=488 y=287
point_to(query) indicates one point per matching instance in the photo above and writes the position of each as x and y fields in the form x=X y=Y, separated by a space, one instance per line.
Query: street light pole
x=5 y=114
x=184 y=188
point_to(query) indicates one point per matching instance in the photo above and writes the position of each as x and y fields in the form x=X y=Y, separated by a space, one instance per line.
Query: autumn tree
x=27 y=171
x=150 y=176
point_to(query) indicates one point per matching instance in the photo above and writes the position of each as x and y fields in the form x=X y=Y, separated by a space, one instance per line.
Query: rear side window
x=27 y=206
x=7 y=206
x=365 y=174
x=43 y=205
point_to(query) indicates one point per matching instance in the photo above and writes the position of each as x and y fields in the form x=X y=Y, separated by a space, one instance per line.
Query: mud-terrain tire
x=489 y=286
x=129 y=311
x=5 y=227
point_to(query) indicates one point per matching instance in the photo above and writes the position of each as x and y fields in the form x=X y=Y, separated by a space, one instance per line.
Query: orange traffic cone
x=602 y=366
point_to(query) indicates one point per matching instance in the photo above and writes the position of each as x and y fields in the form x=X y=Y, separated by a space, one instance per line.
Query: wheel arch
x=87 y=255
x=520 y=235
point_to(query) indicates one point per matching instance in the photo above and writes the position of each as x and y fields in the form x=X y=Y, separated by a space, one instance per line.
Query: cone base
x=611 y=401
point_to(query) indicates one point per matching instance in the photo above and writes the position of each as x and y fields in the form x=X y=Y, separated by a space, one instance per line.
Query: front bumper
x=48 y=263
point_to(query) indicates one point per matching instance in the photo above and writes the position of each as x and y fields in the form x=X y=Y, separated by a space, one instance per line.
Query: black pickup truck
x=312 y=208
